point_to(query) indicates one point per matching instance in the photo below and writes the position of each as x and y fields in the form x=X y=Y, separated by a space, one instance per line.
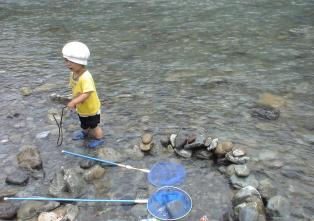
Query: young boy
x=85 y=99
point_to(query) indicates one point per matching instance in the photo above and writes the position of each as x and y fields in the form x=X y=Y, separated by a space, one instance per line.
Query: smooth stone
x=17 y=177
x=236 y=160
x=238 y=152
x=42 y=135
x=240 y=182
x=242 y=170
x=147 y=138
x=29 y=158
x=8 y=210
x=184 y=153
x=26 y=91
x=164 y=141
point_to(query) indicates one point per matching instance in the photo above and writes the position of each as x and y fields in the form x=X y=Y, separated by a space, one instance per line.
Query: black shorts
x=90 y=121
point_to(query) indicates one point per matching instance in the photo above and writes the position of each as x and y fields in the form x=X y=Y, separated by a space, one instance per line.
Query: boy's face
x=74 y=67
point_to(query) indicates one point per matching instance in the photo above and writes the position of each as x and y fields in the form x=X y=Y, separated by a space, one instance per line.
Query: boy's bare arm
x=79 y=99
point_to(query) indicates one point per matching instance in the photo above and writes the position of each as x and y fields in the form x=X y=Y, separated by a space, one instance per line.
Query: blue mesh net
x=169 y=203
x=166 y=174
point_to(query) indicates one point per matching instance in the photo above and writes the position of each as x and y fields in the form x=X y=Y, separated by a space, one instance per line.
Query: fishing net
x=166 y=174
x=169 y=203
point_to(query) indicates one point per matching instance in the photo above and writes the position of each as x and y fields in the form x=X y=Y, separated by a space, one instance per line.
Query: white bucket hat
x=76 y=52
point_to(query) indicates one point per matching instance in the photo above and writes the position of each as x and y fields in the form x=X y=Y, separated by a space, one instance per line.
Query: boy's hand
x=71 y=105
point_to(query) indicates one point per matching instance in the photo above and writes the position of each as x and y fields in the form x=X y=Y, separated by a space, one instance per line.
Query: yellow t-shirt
x=83 y=84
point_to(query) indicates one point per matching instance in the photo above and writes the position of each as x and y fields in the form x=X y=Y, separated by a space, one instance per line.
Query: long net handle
x=140 y=201
x=104 y=161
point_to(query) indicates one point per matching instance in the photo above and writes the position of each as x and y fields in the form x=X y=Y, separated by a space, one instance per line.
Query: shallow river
x=161 y=66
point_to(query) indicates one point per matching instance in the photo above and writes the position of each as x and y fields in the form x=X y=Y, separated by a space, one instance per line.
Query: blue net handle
x=166 y=174
x=169 y=203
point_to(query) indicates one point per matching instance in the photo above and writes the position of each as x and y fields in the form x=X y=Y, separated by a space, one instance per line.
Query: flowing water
x=164 y=65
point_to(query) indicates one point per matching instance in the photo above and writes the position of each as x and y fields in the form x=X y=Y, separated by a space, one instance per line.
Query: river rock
x=191 y=138
x=8 y=210
x=147 y=138
x=164 y=141
x=28 y=209
x=271 y=100
x=245 y=194
x=86 y=164
x=213 y=145
x=238 y=152
x=8 y=192
x=110 y=153
x=265 y=112
x=48 y=216
x=173 y=140
x=278 y=206
x=17 y=177
x=26 y=91
x=146 y=147
x=93 y=173
x=29 y=158
x=240 y=182
x=237 y=160
x=45 y=87
x=242 y=170
x=42 y=135
x=184 y=153
x=58 y=185
x=223 y=148
x=248 y=205
x=74 y=181
x=266 y=189
x=180 y=141
x=203 y=154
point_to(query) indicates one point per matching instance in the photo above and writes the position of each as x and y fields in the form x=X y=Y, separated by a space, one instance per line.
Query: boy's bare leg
x=97 y=132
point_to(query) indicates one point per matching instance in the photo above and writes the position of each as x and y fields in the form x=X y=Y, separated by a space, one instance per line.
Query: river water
x=160 y=66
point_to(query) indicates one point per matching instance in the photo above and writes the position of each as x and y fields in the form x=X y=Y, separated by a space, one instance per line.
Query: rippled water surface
x=164 y=65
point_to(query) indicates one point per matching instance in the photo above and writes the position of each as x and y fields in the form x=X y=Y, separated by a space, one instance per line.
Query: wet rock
x=208 y=141
x=238 y=152
x=48 y=216
x=173 y=140
x=203 y=154
x=278 y=206
x=29 y=158
x=133 y=153
x=180 y=141
x=213 y=145
x=147 y=138
x=248 y=205
x=165 y=141
x=230 y=170
x=191 y=138
x=8 y=210
x=240 y=182
x=42 y=135
x=93 y=173
x=8 y=192
x=242 y=170
x=271 y=100
x=237 y=160
x=266 y=189
x=265 y=113
x=74 y=181
x=223 y=148
x=71 y=212
x=26 y=91
x=184 y=153
x=58 y=186
x=86 y=164
x=18 y=177
x=110 y=153
x=48 y=206
x=146 y=147
x=194 y=146
x=245 y=194
x=28 y=209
